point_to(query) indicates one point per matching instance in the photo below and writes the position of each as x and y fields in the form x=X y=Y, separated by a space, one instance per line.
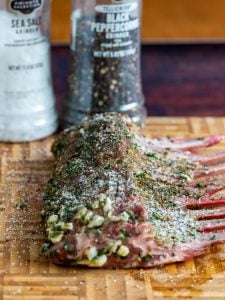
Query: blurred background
x=183 y=55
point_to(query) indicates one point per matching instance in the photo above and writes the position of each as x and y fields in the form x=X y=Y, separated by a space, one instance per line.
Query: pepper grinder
x=104 y=71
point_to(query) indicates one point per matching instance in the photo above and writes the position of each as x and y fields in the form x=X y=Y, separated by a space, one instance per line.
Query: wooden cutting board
x=26 y=275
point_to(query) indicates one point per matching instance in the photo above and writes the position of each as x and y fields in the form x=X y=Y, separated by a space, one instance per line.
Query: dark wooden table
x=178 y=80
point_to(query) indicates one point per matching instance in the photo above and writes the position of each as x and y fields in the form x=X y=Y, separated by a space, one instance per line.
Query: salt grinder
x=27 y=102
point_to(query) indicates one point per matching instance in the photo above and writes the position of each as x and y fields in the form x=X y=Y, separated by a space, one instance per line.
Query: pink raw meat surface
x=120 y=200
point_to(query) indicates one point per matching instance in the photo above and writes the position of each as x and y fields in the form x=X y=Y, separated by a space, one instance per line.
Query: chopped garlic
x=55 y=236
x=84 y=262
x=186 y=176
x=108 y=205
x=102 y=199
x=88 y=216
x=113 y=246
x=81 y=213
x=82 y=132
x=115 y=218
x=52 y=219
x=95 y=205
x=96 y=221
x=59 y=225
x=100 y=261
x=91 y=253
x=123 y=251
x=124 y=216
x=68 y=226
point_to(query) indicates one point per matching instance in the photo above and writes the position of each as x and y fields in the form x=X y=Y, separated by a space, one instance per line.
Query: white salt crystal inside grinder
x=27 y=103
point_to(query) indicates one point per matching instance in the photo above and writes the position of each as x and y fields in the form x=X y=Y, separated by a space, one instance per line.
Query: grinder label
x=25 y=6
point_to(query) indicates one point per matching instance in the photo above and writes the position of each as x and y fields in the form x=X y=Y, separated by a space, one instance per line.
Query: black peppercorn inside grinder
x=105 y=60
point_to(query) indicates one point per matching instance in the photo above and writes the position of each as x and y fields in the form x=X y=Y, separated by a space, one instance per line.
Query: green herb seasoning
x=102 y=179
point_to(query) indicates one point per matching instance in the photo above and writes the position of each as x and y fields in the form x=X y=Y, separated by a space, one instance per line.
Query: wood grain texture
x=25 y=275
x=163 y=20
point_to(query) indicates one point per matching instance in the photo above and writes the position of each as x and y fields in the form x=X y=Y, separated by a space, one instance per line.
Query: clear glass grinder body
x=105 y=60
x=27 y=102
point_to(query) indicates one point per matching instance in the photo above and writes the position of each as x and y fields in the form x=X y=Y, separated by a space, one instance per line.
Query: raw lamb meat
x=120 y=200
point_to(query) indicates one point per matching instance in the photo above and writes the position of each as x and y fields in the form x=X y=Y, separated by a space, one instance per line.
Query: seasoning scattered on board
x=118 y=200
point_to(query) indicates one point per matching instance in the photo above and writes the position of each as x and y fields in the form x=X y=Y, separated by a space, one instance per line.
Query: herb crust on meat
x=115 y=198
